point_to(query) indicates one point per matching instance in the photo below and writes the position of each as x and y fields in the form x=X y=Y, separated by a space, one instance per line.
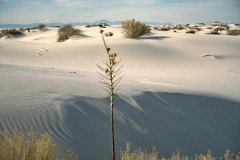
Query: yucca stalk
x=110 y=72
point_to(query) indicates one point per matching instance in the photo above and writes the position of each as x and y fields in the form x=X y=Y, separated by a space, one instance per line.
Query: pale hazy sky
x=69 y=11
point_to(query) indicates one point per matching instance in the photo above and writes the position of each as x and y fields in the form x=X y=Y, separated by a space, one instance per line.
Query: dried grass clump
x=179 y=27
x=221 y=25
x=40 y=26
x=220 y=29
x=109 y=34
x=10 y=33
x=137 y=155
x=32 y=146
x=134 y=29
x=234 y=32
x=153 y=155
x=66 y=32
x=214 y=32
x=237 y=24
x=164 y=28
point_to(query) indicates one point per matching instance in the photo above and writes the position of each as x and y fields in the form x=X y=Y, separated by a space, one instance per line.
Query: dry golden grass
x=143 y=155
x=17 y=146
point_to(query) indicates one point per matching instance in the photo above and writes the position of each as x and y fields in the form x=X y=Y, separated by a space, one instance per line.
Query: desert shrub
x=109 y=34
x=197 y=28
x=41 y=26
x=219 y=29
x=237 y=24
x=209 y=28
x=10 y=33
x=32 y=146
x=22 y=29
x=134 y=29
x=66 y=32
x=191 y=31
x=164 y=28
x=179 y=27
x=19 y=146
x=201 y=24
x=222 y=25
x=214 y=32
x=234 y=32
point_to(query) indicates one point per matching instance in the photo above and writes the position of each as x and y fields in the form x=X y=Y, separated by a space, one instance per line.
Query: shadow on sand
x=191 y=123
x=154 y=37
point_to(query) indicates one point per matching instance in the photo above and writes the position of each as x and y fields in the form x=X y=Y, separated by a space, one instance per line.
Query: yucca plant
x=110 y=72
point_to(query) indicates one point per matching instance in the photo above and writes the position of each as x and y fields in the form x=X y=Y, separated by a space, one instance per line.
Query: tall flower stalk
x=110 y=73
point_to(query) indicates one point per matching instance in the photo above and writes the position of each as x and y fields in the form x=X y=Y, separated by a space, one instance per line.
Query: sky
x=162 y=11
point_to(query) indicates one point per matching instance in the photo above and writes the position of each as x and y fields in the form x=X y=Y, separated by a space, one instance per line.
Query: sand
x=179 y=90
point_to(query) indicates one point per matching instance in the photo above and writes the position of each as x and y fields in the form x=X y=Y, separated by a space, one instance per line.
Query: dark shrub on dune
x=41 y=26
x=179 y=27
x=66 y=32
x=191 y=31
x=234 y=32
x=164 y=28
x=134 y=29
x=214 y=32
x=109 y=34
x=11 y=33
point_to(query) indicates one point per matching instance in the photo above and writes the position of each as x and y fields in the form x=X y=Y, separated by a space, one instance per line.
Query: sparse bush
x=222 y=25
x=109 y=34
x=214 y=32
x=197 y=28
x=234 y=32
x=201 y=24
x=219 y=29
x=22 y=29
x=10 y=33
x=191 y=31
x=66 y=32
x=134 y=29
x=179 y=27
x=164 y=28
x=41 y=26
x=209 y=28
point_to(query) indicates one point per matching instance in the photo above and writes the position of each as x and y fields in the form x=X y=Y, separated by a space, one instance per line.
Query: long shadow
x=191 y=123
x=154 y=37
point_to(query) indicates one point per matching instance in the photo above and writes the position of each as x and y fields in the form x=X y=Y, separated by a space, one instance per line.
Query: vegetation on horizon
x=134 y=29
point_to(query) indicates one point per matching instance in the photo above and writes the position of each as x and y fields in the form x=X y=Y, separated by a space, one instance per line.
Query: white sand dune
x=179 y=90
